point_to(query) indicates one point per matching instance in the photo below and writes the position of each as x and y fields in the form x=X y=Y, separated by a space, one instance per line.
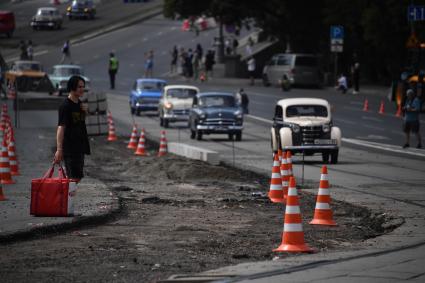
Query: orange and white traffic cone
x=398 y=113
x=293 y=235
x=322 y=213
x=366 y=105
x=163 y=148
x=111 y=128
x=284 y=175
x=381 y=108
x=132 y=144
x=2 y=197
x=275 y=191
x=5 y=175
x=141 y=145
x=13 y=160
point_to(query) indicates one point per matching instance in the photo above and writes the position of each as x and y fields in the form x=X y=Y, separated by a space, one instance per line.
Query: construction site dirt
x=178 y=216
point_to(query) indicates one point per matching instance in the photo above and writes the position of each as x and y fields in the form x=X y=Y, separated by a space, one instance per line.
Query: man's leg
x=74 y=165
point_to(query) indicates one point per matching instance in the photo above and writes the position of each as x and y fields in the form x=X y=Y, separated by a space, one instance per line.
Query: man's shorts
x=74 y=165
x=411 y=126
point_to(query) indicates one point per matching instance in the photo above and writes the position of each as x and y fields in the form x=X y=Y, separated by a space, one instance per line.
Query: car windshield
x=150 y=86
x=28 y=67
x=44 y=12
x=306 y=110
x=181 y=93
x=66 y=72
x=217 y=101
x=81 y=3
x=284 y=60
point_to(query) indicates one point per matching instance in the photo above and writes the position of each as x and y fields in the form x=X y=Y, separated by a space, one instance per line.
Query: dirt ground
x=178 y=216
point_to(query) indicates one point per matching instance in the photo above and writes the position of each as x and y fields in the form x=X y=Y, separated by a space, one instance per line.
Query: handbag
x=53 y=196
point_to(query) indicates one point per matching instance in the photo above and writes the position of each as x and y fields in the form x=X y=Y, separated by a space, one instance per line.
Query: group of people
x=192 y=63
x=26 y=50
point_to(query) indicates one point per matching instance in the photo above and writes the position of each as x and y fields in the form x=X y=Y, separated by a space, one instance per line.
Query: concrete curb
x=194 y=152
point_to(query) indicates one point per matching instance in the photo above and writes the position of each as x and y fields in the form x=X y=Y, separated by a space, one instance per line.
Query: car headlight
x=168 y=105
x=295 y=128
x=202 y=116
x=326 y=128
x=86 y=10
x=68 y=9
x=238 y=114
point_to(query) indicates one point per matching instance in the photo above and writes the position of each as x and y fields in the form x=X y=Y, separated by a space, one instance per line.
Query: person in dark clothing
x=23 y=47
x=244 y=101
x=209 y=63
x=72 y=141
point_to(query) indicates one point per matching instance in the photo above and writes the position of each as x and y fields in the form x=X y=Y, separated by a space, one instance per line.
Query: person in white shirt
x=251 y=69
x=342 y=83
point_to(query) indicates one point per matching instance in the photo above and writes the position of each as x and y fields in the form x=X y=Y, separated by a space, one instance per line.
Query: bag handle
x=51 y=170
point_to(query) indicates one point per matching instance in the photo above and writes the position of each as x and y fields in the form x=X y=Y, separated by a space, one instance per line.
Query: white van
x=300 y=69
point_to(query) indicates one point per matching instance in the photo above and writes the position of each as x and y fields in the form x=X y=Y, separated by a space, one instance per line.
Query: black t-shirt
x=73 y=118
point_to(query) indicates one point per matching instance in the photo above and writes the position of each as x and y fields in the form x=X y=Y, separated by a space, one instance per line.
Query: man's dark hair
x=73 y=83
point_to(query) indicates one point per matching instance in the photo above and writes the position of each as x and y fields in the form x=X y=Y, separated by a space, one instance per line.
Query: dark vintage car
x=81 y=9
x=215 y=113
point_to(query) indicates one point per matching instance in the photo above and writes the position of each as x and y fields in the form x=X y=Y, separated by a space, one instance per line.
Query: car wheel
x=198 y=135
x=192 y=134
x=334 y=157
x=138 y=112
x=230 y=137
x=239 y=136
x=325 y=157
x=166 y=123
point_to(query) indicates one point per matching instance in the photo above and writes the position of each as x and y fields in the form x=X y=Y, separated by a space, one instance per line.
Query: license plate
x=323 y=141
x=220 y=129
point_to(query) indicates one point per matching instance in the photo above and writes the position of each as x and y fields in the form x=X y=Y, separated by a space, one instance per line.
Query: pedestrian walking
x=30 y=50
x=251 y=69
x=342 y=83
x=112 y=69
x=249 y=46
x=72 y=142
x=23 y=49
x=411 y=117
x=200 y=50
x=355 y=73
x=196 y=64
x=66 y=52
x=209 y=64
x=242 y=100
x=174 y=57
x=149 y=64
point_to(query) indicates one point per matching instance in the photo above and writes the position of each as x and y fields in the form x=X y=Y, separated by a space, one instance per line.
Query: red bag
x=52 y=196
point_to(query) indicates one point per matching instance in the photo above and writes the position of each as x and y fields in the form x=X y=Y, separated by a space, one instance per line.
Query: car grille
x=180 y=111
x=219 y=122
x=148 y=100
x=309 y=134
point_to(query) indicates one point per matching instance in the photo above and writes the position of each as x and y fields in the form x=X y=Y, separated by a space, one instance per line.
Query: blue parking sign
x=337 y=32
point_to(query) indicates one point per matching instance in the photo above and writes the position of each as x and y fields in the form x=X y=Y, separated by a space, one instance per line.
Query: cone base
x=112 y=139
x=294 y=249
x=323 y=222
x=277 y=200
x=140 y=153
x=131 y=146
x=161 y=154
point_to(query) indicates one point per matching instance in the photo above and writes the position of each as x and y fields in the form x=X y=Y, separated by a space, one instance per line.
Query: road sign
x=416 y=13
x=337 y=32
x=337 y=41
x=337 y=48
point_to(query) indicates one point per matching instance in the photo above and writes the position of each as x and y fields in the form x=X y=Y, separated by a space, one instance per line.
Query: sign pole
x=336 y=67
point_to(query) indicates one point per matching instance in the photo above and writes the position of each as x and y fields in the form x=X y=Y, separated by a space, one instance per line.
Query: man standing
x=251 y=69
x=66 y=52
x=72 y=142
x=411 y=117
x=113 y=69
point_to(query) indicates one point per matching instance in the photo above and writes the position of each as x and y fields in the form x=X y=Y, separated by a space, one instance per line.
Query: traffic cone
x=2 y=197
x=322 y=213
x=13 y=161
x=5 y=175
x=133 y=138
x=275 y=191
x=141 y=145
x=293 y=235
x=163 y=148
x=111 y=128
x=284 y=175
x=381 y=108
x=202 y=77
x=289 y=161
x=398 y=113
x=366 y=105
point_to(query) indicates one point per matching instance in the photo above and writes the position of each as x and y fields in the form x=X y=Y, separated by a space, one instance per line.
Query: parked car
x=81 y=9
x=47 y=17
x=145 y=95
x=304 y=125
x=61 y=74
x=175 y=103
x=7 y=23
x=215 y=113
x=28 y=76
x=299 y=69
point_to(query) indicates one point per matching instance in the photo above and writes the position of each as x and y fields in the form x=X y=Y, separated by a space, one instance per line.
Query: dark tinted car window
x=217 y=101
x=306 y=61
x=284 y=60
x=306 y=110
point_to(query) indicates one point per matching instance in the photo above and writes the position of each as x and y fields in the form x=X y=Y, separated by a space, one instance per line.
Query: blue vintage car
x=61 y=74
x=215 y=113
x=145 y=95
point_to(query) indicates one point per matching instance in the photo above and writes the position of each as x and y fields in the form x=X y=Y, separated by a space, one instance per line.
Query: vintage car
x=61 y=74
x=145 y=95
x=215 y=113
x=47 y=17
x=28 y=76
x=175 y=103
x=304 y=125
x=81 y=9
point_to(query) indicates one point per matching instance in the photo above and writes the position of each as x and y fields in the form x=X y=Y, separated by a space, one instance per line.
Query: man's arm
x=59 y=144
